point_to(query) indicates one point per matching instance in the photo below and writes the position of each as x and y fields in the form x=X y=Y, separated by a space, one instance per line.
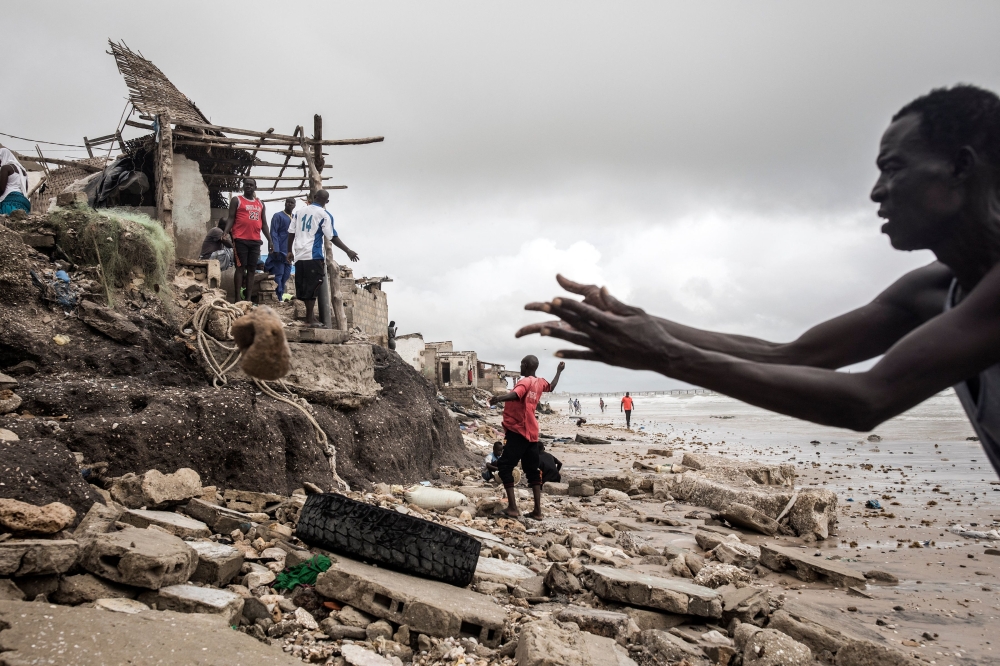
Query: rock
x=814 y=514
x=25 y=557
x=694 y=562
x=380 y=629
x=612 y=495
x=559 y=553
x=679 y=568
x=402 y=635
x=742 y=515
x=143 y=558
x=605 y=530
x=253 y=608
x=9 y=591
x=880 y=576
x=598 y=622
x=646 y=619
x=217 y=563
x=248 y=501
x=545 y=643
x=99 y=519
x=38 y=586
x=85 y=588
x=561 y=581
x=8 y=436
x=337 y=631
x=9 y=401
x=808 y=568
x=866 y=653
x=355 y=655
x=716 y=575
x=7 y=382
x=218 y=518
x=669 y=649
x=42 y=633
x=119 y=605
x=761 y=473
x=767 y=647
x=352 y=617
x=530 y=588
x=553 y=488
x=740 y=554
x=305 y=619
x=404 y=652
x=174 y=523
x=500 y=571
x=669 y=594
x=24 y=518
x=194 y=599
x=257 y=577
x=818 y=638
x=747 y=604
x=708 y=540
x=107 y=321
x=155 y=490
x=581 y=488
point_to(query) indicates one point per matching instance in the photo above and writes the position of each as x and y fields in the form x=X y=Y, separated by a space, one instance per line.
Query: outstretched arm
x=850 y=338
x=949 y=348
x=555 y=380
x=507 y=397
x=351 y=254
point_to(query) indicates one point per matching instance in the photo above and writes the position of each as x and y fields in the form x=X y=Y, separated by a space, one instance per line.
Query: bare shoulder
x=921 y=292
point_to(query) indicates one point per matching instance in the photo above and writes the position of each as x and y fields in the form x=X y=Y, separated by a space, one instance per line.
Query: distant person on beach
x=13 y=184
x=521 y=429
x=490 y=466
x=571 y=410
x=935 y=327
x=549 y=465
x=217 y=245
x=627 y=408
x=244 y=225
x=277 y=263
x=576 y=405
x=602 y=405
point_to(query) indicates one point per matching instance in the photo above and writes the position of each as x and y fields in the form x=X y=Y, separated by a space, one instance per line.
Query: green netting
x=302 y=574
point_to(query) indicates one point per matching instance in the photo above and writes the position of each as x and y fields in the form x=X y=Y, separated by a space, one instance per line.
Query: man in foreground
x=627 y=408
x=244 y=225
x=521 y=428
x=277 y=263
x=937 y=326
x=310 y=226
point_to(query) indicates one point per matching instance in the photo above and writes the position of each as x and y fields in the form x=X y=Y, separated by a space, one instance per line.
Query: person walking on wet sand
x=521 y=430
x=627 y=408
x=937 y=326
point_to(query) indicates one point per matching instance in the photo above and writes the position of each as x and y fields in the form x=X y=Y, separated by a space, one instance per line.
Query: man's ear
x=965 y=162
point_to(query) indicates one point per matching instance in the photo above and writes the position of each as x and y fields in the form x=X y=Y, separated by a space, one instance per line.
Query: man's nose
x=878 y=193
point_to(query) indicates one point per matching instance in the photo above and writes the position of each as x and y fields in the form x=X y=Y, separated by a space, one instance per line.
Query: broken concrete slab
x=501 y=571
x=107 y=321
x=674 y=595
x=338 y=375
x=143 y=558
x=866 y=653
x=155 y=490
x=669 y=649
x=649 y=619
x=85 y=588
x=717 y=574
x=99 y=519
x=37 y=632
x=220 y=519
x=553 y=488
x=218 y=563
x=747 y=604
x=120 y=605
x=355 y=655
x=581 y=488
x=545 y=643
x=810 y=568
x=748 y=517
x=194 y=599
x=248 y=501
x=28 y=557
x=175 y=523
x=598 y=622
x=337 y=631
x=731 y=551
x=425 y=606
x=761 y=473
x=23 y=518
x=767 y=647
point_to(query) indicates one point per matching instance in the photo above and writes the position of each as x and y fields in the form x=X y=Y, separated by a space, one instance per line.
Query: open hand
x=352 y=255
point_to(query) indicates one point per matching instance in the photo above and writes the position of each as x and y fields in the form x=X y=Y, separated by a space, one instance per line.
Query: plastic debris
x=873 y=504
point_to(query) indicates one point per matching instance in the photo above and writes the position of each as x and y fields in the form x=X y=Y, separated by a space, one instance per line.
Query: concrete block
x=31 y=557
x=425 y=606
x=119 y=605
x=337 y=631
x=810 y=568
x=767 y=647
x=84 y=588
x=648 y=619
x=581 y=488
x=220 y=519
x=217 y=563
x=742 y=515
x=155 y=490
x=666 y=453
x=175 y=523
x=669 y=649
x=552 y=488
x=99 y=519
x=762 y=473
x=598 y=622
x=674 y=595
x=143 y=558
x=747 y=604
x=742 y=555
x=501 y=571
x=547 y=644
x=194 y=599
x=249 y=501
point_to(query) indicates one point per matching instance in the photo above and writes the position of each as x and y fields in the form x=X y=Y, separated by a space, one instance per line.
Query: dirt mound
x=43 y=471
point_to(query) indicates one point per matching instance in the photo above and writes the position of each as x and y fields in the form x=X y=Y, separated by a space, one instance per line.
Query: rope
x=207 y=344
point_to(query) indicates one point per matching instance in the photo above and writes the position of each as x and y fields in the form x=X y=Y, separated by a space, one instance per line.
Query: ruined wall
x=192 y=208
x=452 y=369
x=368 y=309
x=460 y=394
x=411 y=349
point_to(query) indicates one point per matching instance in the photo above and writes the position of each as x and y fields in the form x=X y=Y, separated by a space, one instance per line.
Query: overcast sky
x=710 y=161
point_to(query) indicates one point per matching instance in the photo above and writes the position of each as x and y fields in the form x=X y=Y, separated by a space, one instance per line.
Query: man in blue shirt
x=277 y=260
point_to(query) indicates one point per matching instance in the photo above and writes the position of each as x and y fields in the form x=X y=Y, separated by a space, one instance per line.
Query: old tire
x=388 y=538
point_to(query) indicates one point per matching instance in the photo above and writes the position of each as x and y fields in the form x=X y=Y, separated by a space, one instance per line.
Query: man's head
x=222 y=223
x=321 y=198
x=289 y=205
x=626 y=394
x=939 y=161
x=497 y=448
x=529 y=364
x=249 y=187
x=392 y=323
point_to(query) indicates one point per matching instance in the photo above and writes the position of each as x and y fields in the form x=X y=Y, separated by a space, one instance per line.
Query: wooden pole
x=165 y=176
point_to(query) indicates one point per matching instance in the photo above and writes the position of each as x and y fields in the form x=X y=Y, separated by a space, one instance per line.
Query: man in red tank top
x=521 y=429
x=247 y=219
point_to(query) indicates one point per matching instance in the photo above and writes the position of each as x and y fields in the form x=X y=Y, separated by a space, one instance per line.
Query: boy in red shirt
x=521 y=428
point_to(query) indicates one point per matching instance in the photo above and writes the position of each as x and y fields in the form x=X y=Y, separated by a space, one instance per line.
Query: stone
x=337 y=631
x=669 y=594
x=817 y=637
x=194 y=599
x=559 y=553
x=155 y=490
x=678 y=567
x=217 y=563
x=880 y=576
x=814 y=514
x=553 y=488
x=500 y=571
x=742 y=555
x=305 y=619
x=612 y=495
x=646 y=619
x=809 y=568
x=352 y=617
x=23 y=518
x=174 y=523
x=530 y=588
x=605 y=530
x=598 y=622
x=8 y=436
x=9 y=591
x=866 y=653
x=404 y=652
x=761 y=473
x=108 y=322
x=9 y=401
x=355 y=655
x=545 y=643
x=99 y=519
x=767 y=647
x=143 y=558
x=257 y=577
x=402 y=635
x=119 y=605
x=581 y=488
x=254 y=609
x=249 y=501
x=43 y=633
x=425 y=606
x=742 y=515
x=716 y=575
x=7 y=382
x=67 y=199
x=708 y=540
x=35 y=586
x=26 y=557
x=380 y=629
x=669 y=649
x=85 y=588
x=561 y=581
x=747 y=604
x=220 y=519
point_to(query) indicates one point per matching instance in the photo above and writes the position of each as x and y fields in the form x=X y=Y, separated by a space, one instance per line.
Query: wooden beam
x=132 y=123
x=318 y=140
x=280 y=137
x=90 y=168
x=165 y=176
x=42 y=159
x=298 y=130
x=207 y=144
x=299 y=189
x=255 y=177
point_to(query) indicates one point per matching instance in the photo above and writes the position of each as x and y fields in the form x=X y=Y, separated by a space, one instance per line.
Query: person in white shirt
x=306 y=234
x=13 y=184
